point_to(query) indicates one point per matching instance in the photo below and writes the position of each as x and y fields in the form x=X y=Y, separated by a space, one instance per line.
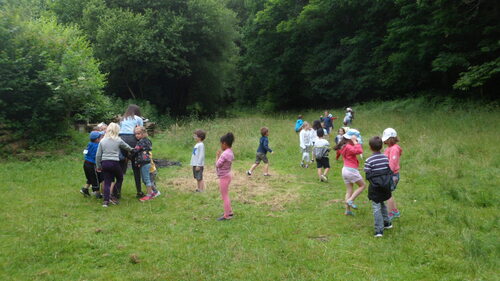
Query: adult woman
x=107 y=161
x=129 y=121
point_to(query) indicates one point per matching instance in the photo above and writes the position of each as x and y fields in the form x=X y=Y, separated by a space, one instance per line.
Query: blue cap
x=95 y=135
x=353 y=132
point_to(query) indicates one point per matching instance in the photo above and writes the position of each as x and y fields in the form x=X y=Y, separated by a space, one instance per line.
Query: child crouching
x=379 y=175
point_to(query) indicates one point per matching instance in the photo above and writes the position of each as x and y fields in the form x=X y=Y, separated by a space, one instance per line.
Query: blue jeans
x=146 y=179
x=380 y=215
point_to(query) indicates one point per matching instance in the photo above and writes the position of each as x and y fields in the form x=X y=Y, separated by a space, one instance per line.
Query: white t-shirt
x=198 y=156
x=305 y=138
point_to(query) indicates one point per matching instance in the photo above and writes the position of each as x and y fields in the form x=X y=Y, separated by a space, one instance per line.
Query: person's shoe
x=230 y=215
x=114 y=201
x=249 y=173
x=351 y=204
x=302 y=165
x=105 y=204
x=198 y=190
x=140 y=195
x=323 y=178
x=146 y=198
x=307 y=166
x=349 y=213
x=395 y=214
x=98 y=195
x=85 y=192
x=379 y=234
x=224 y=218
x=387 y=225
x=156 y=193
x=267 y=175
x=391 y=216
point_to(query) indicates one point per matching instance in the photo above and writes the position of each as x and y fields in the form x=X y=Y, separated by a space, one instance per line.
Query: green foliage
x=49 y=76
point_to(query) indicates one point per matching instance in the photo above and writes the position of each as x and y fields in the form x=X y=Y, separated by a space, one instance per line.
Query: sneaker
x=307 y=166
x=267 y=175
x=156 y=193
x=379 y=234
x=249 y=173
x=140 y=195
x=387 y=225
x=323 y=178
x=391 y=216
x=351 y=204
x=224 y=219
x=85 y=192
x=198 y=190
x=349 y=213
x=105 y=204
x=146 y=198
x=302 y=165
x=114 y=201
x=230 y=215
x=98 y=195
x=396 y=214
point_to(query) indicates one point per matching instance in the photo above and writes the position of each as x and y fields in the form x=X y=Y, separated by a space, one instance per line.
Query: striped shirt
x=376 y=162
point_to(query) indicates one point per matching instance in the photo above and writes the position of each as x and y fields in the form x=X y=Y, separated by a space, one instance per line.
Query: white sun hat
x=389 y=133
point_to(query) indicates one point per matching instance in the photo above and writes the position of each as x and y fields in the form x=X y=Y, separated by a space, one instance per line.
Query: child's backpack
x=379 y=189
x=320 y=151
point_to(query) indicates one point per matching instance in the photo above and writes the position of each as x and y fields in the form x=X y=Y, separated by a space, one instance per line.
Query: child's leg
x=320 y=172
x=348 y=193
x=326 y=171
x=385 y=214
x=266 y=168
x=358 y=191
x=378 y=217
x=253 y=167
x=201 y=185
x=391 y=204
x=144 y=171
x=224 y=191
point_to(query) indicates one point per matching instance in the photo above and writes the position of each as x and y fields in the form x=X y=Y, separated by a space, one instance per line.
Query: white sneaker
x=156 y=194
x=249 y=173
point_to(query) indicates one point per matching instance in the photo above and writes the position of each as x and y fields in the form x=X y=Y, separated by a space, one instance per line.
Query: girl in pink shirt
x=349 y=148
x=393 y=152
x=223 y=163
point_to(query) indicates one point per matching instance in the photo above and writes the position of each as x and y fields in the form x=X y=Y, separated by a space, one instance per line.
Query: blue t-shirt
x=264 y=145
x=128 y=125
x=91 y=151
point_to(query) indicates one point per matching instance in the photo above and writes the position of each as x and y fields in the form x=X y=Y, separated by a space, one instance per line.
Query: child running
x=262 y=151
x=89 y=167
x=340 y=133
x=349 y=148
x=379 y=175
x=349 y=115
x=321 y=149
x=393 y=152
x=224 y=159
x=198 y=159
x=107 y=161
x=305 y=144
x=142 y=153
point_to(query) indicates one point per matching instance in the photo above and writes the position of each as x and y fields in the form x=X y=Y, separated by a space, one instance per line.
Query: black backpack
x=380 y=185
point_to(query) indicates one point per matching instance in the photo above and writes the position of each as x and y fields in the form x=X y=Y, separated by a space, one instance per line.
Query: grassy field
x=286 y=227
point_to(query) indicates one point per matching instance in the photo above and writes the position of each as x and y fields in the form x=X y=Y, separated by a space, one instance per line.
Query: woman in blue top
x=129 y=121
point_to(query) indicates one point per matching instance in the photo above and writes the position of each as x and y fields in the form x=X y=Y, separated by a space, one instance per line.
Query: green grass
x=287 y=227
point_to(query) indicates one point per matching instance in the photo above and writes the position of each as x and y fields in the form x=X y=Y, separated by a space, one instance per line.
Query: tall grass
x=287 y=227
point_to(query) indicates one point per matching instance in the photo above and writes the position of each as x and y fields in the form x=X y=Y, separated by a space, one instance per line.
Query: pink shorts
x=351 y=175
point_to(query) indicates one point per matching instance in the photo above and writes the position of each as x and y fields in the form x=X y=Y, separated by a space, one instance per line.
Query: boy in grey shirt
x=198 y=159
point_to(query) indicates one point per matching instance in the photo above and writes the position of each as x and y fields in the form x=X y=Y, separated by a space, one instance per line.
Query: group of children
x=382 y=170
x=106 y=149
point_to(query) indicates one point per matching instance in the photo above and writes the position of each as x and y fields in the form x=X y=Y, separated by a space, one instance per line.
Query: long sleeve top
x=91 y=151
x=394 y=154
x=305 y=139
x=264 y=145
x=109 y=149
x=349 y=153
x=223 y=164
x=198 y=155
x=128 y=125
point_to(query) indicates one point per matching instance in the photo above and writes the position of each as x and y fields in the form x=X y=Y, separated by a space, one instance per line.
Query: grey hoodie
x=109 y=149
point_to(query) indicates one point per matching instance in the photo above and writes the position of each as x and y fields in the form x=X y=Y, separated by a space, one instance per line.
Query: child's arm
x=125 y=146
x=220 y=160
x=266 y=145
x=98 y=157
x=302 y=135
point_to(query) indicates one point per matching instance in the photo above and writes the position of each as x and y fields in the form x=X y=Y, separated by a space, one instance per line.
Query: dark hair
x=376 y=143
x=132 y=110
x=394 y=140
x=317 y=125
x=341 y=144
x=227 y=139
x=300 y=117
x=201 y=134
x=320 y=132
x=264 y=131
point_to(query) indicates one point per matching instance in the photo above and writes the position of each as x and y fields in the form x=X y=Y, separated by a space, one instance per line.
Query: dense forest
x=68 y=60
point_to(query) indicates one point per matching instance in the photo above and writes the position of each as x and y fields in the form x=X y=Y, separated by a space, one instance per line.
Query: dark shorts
x=198 y=175
x=93 y=177
x=395 y=181
x=323 y=163
x=261 y=157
